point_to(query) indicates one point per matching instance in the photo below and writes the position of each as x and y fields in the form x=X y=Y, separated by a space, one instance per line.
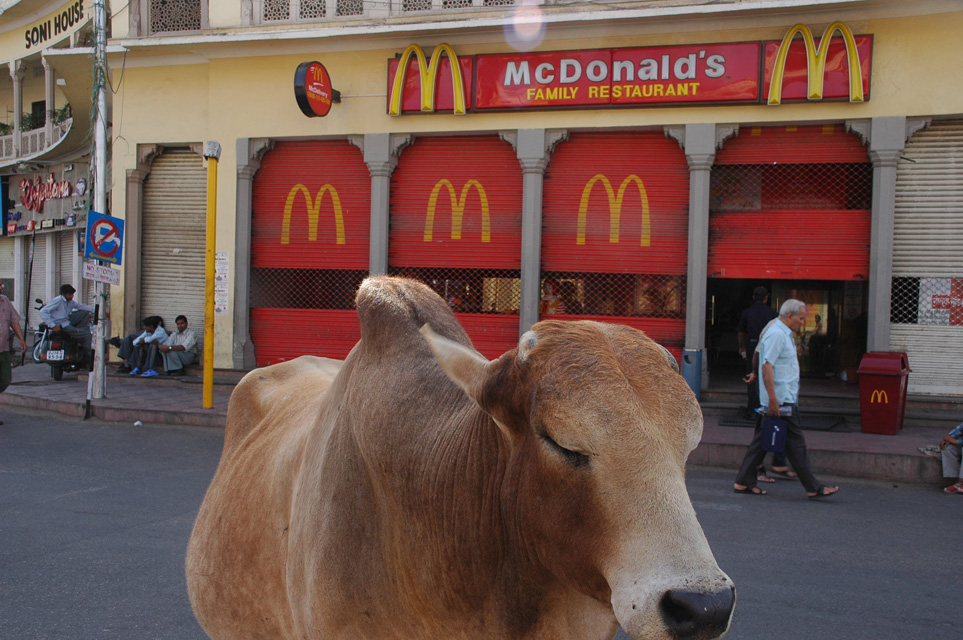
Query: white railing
x=32 y=142
x=277 y=11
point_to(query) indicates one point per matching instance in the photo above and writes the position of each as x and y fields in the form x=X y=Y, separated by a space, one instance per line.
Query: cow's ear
x=466 y=367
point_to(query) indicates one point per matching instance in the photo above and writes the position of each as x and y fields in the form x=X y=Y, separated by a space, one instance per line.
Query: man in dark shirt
x=751 y=323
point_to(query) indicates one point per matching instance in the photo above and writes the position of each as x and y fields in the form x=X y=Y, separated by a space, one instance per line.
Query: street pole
x=212 y=151
x=100 y=181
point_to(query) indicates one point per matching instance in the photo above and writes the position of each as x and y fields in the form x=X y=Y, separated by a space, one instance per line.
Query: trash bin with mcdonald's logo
x=882 y=391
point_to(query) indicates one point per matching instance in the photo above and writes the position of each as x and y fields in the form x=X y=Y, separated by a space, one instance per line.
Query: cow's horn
x=466 y=367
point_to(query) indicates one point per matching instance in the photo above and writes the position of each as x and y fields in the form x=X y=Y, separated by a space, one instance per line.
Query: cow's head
x=599 y=425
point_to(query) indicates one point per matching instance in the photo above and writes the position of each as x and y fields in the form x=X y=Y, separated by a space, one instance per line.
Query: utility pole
x=100 y=181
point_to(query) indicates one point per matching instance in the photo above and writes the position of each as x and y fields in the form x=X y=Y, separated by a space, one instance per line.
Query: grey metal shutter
x=65 y=269
x=7 y=265
x=38 y=279
x=927 y=307
x=172 y=267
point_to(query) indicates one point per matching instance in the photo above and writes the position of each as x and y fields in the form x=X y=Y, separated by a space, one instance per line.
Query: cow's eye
x=574 y=458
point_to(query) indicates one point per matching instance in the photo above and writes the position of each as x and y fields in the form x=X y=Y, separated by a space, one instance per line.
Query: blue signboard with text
x=105 y=238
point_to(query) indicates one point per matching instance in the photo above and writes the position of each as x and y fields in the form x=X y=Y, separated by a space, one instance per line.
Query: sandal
x=750 y=491
x=788 y=474
x=763 y=477
x=954 y=488
x=824 y=492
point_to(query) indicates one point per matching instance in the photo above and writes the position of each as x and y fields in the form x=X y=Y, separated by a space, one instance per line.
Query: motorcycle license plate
x=55 y=355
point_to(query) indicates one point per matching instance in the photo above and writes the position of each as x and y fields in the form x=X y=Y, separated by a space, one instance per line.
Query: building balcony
x=32 y=142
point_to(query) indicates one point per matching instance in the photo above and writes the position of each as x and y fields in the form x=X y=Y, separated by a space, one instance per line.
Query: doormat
x=820 y=422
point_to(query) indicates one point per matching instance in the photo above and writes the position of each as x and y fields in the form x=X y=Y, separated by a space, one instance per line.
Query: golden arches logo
x=615 y=208
x=816 y=62
x=879 y=395
x=458 y=209
x=314 y=212
x=428 y=73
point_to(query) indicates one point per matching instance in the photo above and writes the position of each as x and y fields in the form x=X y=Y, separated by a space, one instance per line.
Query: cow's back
x=238 y=550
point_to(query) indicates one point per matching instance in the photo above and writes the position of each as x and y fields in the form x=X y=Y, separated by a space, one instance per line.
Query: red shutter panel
x=615 y=232
x=309 y=249
x=456 y=224
x=791 y=202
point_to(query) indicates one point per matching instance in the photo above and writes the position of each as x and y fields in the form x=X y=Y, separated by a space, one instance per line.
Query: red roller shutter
x=456 y=224
x=309 y=249
x=615 y=231
x=791 y=202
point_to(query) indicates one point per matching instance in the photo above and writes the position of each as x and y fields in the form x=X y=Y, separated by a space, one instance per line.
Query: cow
x=419 y=491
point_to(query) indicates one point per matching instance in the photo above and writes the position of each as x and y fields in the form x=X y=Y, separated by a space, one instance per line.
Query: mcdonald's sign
x=816 y=59
x=428 y=75
x=314 y=212
x=879 y=395
x=458 y=209
x=615 y=208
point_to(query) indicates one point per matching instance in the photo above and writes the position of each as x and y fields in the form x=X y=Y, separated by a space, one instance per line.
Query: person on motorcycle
x=65 y=315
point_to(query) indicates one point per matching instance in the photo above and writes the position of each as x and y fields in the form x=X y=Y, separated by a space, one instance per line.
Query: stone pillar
x=887 y=138
x=133 y=223
x=17 y=72
x=250 y=151
x=49 y=78
x=381 y=151
x=21 y=253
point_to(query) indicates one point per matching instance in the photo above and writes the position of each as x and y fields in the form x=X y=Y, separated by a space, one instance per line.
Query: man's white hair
x=791 y=307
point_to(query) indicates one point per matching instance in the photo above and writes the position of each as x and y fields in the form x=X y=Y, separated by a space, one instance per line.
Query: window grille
x=275 y=10
x=612 y=294
x=782 y=186
x=312 y=9
x=350 y=8
x=495 y=291
x=415 y=5
x=281 y=288
x=927 y=301
x=175 y=15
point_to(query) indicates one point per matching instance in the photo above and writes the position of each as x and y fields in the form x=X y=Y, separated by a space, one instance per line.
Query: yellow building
x=648 y=163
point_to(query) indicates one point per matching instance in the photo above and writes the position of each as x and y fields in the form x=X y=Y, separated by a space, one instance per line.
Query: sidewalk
x=178 y=401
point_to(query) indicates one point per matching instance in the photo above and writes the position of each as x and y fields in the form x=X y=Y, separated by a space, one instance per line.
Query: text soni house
x=647 y=164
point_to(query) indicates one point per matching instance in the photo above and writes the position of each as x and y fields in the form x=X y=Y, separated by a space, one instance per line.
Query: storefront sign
x=313 y=91
x=313 y=207
x=615 y=209
x=942 y=304
x=101 y=273
x=458 y=209
x=724 y=73
x=33 y=194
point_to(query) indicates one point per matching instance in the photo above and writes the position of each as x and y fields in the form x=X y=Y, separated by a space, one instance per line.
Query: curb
x=199 y=418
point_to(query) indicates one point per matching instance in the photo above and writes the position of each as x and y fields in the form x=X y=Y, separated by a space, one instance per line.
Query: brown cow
x=539 y=495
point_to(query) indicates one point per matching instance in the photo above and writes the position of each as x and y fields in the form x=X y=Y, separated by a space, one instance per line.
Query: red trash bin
x=882 y=391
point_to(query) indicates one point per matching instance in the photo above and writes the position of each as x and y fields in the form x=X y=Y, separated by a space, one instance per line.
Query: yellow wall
x=251 y=95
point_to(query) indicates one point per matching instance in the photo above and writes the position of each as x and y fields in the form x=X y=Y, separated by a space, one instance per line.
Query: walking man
x=779 y=393
x=9 y=319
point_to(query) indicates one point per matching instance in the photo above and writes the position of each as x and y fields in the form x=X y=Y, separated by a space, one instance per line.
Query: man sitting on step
x=180 y=348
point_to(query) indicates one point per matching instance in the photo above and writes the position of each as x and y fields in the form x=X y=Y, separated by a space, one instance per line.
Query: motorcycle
x=60 y=351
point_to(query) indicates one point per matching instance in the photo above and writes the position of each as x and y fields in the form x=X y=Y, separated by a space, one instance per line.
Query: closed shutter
x=456 y=224
x=66 y=250
x=173 y=241
x=927 y=293
x=309 y=249
x=38 y=278
x=791 y=202
x=8 y=268
x=615 y=233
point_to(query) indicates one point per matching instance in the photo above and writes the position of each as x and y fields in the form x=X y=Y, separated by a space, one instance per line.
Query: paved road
x=94 y=520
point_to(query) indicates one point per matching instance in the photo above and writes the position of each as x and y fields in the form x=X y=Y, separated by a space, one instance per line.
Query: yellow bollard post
x=212 y=151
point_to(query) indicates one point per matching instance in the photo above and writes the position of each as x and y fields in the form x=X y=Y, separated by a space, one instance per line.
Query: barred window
x=350 y=8
x=312 y=9
x=282 y=288
x=905 y=301
x=803 y=186
x=415 y=5
x=175 y=15
x=613 y=294
x=277 y=10
x=927 y=301
x=470 y=290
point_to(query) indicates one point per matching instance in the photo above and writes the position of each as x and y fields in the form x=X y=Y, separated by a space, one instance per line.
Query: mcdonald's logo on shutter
x=457 y=209
x=879 y=395
x=615 y=208
x=816 y=62
x=314 y=212
x=428 y=73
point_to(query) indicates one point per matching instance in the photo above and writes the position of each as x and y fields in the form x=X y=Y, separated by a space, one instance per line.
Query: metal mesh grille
x=804 y=186
x=277 y=10
x=175 y=15
x=350 y=8
x=276 y=288
x=613 y=294
x=311 y=9
x=455 y=4
x=470 y=290
x=415 y=5
x=498 y=3
x=927 y=301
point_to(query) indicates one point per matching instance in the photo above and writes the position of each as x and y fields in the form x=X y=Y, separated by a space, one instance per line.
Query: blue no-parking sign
x=105 y=238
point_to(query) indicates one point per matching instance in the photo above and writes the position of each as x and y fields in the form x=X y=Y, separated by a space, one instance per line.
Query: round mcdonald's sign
x=312 y=89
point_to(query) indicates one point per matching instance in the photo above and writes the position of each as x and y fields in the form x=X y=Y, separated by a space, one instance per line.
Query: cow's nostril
x=697 y=616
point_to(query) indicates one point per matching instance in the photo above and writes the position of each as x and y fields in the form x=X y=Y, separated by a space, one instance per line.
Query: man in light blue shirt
x=779 y=393
x=65 y=314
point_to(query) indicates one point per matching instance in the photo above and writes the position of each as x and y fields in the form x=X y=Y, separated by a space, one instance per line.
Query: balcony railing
x=31 y=142
x=276 y=11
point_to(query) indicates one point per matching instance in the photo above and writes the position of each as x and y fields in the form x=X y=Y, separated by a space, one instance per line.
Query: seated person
x=180 y=348
x=140 y=351
x=952 y=460
x=64 y=314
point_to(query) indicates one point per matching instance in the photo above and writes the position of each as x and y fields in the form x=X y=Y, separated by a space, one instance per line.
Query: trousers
x=795 y=451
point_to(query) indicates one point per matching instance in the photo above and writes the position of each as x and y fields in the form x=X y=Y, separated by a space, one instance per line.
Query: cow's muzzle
x=698 y=616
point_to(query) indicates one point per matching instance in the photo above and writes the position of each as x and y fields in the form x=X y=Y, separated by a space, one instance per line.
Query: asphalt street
x=95 y=517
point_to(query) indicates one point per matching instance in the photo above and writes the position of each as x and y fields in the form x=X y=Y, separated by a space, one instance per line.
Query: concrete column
x=533 y=147
x=21 y=253
x=381 y=152
x=887 y=138
x=132 y=248
x=700 y=152
x=17 y=73
x=250 y=151
x=49 y=82
x=51 y=268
